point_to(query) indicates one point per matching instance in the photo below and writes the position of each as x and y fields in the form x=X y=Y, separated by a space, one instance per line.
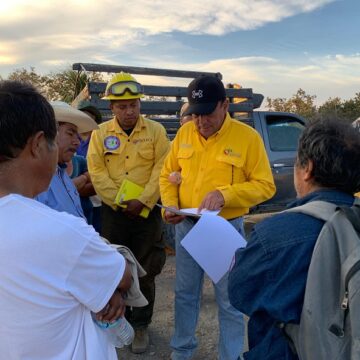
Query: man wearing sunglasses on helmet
x=131 y=147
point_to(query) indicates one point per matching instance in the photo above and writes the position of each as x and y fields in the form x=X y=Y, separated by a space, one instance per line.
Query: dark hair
x=86 y=106
x=23 y=113
x=334 y=148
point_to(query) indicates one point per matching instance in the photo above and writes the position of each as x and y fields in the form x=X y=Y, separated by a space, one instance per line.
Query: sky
x=274 y=47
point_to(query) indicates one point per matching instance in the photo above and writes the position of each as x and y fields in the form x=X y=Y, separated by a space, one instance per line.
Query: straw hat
x=66 y=113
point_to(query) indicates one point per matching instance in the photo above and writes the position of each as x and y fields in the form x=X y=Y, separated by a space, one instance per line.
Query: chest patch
x=231 y=152
x=111 y=142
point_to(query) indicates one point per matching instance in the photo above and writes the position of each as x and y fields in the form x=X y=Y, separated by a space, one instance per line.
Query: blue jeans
x=188 y=289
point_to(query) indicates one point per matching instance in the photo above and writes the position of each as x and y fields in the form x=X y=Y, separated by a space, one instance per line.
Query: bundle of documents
x=128 y=191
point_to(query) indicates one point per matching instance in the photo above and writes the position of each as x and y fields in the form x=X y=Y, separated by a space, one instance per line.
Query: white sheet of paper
x=212 y=243
x=189 y=211
x=202 y=212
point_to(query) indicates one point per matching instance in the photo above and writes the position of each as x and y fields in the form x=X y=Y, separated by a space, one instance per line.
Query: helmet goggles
x=120 y=88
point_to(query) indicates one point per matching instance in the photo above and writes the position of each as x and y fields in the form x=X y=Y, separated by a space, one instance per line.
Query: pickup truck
x=279 y=131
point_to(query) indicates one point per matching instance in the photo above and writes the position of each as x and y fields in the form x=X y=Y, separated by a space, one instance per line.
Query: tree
x=278 y=104
x=30 y=76
x=300 y=103
x=67 y=84
x=63 y=85
x=347 y=110
x=331 y=107
x=351 y=108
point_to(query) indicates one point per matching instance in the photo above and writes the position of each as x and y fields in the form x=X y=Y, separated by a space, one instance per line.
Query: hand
x=133 y=208
x=114 y=309
x=87 y=176
x=126 y=280
x=173 y=218
x=213 y=200
x=80 y=181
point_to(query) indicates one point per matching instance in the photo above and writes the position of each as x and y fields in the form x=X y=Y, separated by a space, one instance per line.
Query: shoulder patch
x=111 y=142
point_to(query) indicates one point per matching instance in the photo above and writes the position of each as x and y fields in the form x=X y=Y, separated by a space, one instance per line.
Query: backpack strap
x=353 y=214
x=322 y=210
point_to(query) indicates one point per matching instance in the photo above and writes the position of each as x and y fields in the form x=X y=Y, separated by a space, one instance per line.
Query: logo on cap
x=196 y=94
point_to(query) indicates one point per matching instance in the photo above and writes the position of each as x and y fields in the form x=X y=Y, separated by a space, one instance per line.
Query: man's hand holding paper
x=213 y=200
x=171 y=217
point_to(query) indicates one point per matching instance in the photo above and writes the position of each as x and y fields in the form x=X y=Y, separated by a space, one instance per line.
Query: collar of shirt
x=114 y=125
x=63 y=195
x=330 y=195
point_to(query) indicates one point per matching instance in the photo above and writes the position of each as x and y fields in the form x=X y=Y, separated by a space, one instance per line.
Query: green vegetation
x=64 y=85
x=303 y=104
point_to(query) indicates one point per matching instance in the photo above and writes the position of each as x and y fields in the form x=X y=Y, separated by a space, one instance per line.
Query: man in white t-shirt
x=54 y=269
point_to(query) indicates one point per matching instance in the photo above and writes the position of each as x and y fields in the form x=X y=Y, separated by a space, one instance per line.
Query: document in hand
x=189 y=211
x=212 y=243
x=128 y=191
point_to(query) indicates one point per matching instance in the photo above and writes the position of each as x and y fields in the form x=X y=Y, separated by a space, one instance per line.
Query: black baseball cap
x=85 y=105
x=203 y=95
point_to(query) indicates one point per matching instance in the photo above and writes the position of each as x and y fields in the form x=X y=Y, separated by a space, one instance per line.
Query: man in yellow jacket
x=133 y=148
x=221 y=164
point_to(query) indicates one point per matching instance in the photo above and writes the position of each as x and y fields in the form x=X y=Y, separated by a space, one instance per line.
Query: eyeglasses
x=121 y=87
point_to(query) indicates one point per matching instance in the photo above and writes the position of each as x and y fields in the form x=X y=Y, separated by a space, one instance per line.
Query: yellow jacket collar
x=225 y=125
x=114 y=125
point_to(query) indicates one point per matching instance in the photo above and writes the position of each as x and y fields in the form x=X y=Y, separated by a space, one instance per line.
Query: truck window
x=283 y=133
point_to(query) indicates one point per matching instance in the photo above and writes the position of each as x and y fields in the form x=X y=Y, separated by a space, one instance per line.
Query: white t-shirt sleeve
x=96 y=274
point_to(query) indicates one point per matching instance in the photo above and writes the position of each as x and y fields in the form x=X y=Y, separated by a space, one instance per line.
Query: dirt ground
x=162 y=326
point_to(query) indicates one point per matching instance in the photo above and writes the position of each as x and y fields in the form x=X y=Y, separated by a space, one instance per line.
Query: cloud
x=7 y=55
x=50 y=34
x=324 y=76
x=109 y=26
x=151 y=17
